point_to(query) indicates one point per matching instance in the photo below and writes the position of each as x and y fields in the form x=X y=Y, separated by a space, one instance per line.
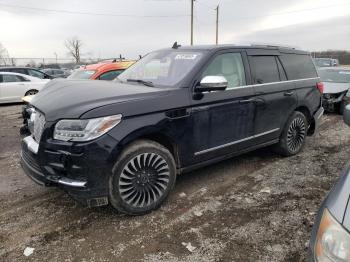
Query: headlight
x=333 y=241
x=84 y=129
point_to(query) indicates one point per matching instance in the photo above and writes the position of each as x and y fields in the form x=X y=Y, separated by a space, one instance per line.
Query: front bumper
x=331 y=102
x=81 y=169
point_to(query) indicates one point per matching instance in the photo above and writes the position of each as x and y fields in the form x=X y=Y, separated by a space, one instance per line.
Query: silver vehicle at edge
x=336 y=94
x=330 y=239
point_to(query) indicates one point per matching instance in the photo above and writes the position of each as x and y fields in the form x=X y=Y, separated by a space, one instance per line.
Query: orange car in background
x=106 y=70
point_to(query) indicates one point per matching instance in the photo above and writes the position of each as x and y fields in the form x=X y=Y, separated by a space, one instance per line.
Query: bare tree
x=4 y=55
x=74 y=46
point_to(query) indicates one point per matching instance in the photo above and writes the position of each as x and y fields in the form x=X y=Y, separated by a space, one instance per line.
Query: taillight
x=320 y=87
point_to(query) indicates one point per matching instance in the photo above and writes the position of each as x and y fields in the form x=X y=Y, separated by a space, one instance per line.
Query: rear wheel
x=293 y=135
x=31 y=92
x=343 y=104
x=142 y=178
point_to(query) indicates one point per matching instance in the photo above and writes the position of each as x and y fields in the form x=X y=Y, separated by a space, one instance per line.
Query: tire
x=142 y=178
x=31 y=92
x=293 y=136
x=342 y=106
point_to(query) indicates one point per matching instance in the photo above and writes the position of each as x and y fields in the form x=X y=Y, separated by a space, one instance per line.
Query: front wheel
x=342 y=106
x=31 y=92
x=293 y=135
x=142 y=178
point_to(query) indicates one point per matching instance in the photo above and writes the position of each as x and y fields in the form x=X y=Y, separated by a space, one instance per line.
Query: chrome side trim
x=273 y=83
x=32 y=145
x=235 y=142
x=70 y=182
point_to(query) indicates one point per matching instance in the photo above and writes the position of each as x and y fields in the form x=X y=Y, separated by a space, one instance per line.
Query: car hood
x=334 y=88
x=72 y=98
x=338 y=198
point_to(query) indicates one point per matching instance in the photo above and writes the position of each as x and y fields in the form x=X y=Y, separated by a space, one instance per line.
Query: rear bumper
x=317 y=118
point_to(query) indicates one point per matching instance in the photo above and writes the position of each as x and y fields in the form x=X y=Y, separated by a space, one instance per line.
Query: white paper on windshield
x=186 y=56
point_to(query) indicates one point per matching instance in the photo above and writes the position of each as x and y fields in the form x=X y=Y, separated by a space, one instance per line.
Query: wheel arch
x=153 y=134
x=306 y=111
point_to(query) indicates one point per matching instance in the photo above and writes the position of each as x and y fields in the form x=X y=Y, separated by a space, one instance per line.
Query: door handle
x=246 y=101
x=288 y=93
x=258 y=101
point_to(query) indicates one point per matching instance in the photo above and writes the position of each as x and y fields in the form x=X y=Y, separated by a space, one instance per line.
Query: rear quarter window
x=298 y=66
x=264 y=69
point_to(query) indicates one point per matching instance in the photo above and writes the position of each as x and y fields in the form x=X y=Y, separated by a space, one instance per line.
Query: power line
x=90 y=13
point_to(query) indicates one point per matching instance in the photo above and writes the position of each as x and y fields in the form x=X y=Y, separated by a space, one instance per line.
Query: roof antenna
x=175 y=45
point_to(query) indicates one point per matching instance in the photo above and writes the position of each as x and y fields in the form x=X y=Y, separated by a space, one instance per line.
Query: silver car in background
x=330 y=239
x=336 y=93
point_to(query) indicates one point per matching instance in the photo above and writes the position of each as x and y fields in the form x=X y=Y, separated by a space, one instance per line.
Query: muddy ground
x=256 y=207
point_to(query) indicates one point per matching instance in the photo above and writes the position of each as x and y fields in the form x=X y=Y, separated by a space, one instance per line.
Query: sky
x=39 y=28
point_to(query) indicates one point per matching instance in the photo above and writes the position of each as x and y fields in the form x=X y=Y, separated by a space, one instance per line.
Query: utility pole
x=217 y=25
x=192 y=2
x=55 y=56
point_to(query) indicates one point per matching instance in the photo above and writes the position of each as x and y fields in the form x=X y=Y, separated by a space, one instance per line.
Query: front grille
x=27 y=156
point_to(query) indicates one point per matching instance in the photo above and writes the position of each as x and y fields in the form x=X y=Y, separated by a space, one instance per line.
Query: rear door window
x=298 y=66
x=229 y=65
x=264 y=69
x=12 y=78
x=36 y=73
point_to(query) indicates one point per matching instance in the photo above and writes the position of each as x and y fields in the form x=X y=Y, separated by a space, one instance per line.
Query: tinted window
x=12 y=78
x=36 y=73
x=230 y=66
x=283 y=75
x=264 y=69
x=15 y=70
x=110 y=75
x=298 y=66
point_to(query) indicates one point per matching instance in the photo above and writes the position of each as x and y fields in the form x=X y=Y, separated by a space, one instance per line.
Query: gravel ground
x=256 y=207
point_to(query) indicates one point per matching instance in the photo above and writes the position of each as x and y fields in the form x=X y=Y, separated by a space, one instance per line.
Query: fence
x=45 y=62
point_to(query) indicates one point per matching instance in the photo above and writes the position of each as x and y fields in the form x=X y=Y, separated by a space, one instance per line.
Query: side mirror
x=346 y=115
x=212 y=83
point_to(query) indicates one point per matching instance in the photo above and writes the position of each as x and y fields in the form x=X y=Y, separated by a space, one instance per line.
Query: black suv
x=26 y=71
x=176 y=109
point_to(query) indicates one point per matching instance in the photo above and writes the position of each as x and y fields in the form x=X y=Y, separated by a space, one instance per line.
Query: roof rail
x=273 y=45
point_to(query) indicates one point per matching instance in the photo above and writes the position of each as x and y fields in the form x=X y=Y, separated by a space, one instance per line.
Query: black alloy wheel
x=296 y=134
x=293 y=136
x=142 y=177
x=144 y=180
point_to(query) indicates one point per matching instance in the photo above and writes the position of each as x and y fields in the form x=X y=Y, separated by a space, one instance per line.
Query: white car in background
x=13 y=86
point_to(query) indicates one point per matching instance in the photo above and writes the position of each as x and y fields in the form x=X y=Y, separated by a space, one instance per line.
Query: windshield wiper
x=146 y=83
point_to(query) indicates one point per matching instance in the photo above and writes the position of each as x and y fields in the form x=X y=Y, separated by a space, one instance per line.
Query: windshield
x=162 y=68
x=82 y=74
x=336 y=76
